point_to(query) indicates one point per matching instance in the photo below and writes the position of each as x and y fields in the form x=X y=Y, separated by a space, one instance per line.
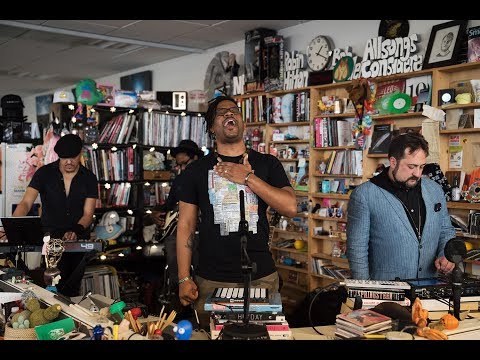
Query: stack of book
x=361 y=322
x=226 y=305
x=276 y=324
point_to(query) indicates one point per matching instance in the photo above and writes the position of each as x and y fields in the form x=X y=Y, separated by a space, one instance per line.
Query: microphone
x=455 y=250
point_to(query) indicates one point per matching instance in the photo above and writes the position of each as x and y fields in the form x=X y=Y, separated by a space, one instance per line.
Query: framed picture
x=444 y=43
x=108 y=92
x=42 y=104
x=137 y=82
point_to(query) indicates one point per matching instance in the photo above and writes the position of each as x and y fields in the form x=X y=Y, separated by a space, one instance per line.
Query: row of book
x=344 y=162
x=333 y=131
x=101 y=280
x=326 y=268
x=118 y=130
x=168 y=129
x=116 y=195
x=109 y=165
x=278 y=109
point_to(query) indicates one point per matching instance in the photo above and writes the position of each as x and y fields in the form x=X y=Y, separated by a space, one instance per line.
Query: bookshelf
x=321 y=227
x=321 y=245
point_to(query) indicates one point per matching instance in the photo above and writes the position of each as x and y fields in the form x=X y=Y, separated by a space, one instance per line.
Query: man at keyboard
x=68 y=192
x=212 y=186
x=398 y=222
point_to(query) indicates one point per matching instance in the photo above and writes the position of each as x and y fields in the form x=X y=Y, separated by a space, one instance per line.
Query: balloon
x=87 y=92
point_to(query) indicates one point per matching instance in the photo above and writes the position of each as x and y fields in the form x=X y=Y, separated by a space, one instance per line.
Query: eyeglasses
x=222 y=111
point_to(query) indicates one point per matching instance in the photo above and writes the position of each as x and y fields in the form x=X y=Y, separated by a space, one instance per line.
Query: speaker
x=172 y=100
x=446 y=96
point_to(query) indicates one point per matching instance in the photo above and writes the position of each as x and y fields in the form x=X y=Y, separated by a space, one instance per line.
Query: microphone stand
x=245 y=331
x=457 y=282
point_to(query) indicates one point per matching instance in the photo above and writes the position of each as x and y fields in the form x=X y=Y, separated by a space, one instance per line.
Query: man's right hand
x=187 y=292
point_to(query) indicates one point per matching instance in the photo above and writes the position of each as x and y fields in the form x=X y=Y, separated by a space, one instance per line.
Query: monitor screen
x=23 y=230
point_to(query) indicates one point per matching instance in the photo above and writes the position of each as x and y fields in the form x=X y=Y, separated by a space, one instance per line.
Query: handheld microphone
x=455 y=250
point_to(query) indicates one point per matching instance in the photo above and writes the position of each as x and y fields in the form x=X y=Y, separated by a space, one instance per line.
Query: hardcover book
x=364 y=319
x=473 y=46
x=381 y=138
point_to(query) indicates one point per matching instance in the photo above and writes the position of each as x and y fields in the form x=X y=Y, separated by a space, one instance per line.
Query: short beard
x=403 y=184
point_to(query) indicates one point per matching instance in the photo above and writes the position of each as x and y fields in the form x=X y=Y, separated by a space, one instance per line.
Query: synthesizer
x=377 y=284
x=70 y=246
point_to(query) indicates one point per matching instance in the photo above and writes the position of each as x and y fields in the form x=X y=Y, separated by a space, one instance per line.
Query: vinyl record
x=398 y=103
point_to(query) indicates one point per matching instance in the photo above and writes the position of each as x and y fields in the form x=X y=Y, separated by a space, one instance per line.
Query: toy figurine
x=183 y=330
x=51 y=277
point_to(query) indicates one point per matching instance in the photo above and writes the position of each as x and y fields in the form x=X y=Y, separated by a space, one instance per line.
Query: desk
x=468 y=329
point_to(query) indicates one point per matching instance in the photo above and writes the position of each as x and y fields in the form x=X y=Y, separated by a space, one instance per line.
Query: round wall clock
x=319 y=52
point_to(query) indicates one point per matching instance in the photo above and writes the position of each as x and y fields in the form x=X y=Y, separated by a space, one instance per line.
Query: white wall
x=188 y=72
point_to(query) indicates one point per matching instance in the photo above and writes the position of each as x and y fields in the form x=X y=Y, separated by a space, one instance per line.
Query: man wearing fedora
x=68 y=191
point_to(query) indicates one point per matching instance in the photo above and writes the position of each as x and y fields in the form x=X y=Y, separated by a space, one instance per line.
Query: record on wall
x=391 y=29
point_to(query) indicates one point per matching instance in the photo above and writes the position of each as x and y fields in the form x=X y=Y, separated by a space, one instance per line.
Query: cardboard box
x=156 y=175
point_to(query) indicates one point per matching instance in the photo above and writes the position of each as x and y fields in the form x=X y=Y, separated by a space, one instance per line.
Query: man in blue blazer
x=398 y=223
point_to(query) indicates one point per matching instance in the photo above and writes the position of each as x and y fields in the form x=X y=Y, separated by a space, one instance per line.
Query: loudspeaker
x=172 y=100
x=446 y=96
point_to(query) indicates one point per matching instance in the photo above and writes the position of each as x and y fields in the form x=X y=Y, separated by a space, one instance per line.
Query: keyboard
x=70 y=246
x=235 y=295
x=377 y=284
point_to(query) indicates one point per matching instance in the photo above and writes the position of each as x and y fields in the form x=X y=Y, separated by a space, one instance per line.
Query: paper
x=431 y=133
x=456 y=152
x=433 y=113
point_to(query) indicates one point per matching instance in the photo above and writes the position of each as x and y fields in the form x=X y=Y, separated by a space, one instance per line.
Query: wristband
x=78 y=229
x=182 y=280
x=247 y=176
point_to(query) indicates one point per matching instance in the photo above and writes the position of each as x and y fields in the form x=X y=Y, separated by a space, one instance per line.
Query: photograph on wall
x=137 y=82
x=43 y=103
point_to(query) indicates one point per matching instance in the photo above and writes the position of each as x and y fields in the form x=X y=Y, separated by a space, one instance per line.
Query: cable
x=332 y=286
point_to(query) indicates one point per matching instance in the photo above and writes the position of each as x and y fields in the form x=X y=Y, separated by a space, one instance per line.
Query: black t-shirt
x=59 y=212
x=219 y=256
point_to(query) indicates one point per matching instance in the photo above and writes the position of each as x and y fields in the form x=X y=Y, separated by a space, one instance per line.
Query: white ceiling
x=40 y=55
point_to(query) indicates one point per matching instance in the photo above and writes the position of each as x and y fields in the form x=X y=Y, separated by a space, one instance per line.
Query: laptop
x=23 y=230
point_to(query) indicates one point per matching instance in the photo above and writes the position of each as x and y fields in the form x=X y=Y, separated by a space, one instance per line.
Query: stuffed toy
x=108 y=227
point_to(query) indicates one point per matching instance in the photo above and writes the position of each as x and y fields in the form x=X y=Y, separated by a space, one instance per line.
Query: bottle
x=455 y=189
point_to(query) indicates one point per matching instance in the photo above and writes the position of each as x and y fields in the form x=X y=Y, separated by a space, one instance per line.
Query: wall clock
x=319 y=53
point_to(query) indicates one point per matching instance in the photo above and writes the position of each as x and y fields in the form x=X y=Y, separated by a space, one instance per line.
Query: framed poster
x=444 y=43
x=42 y=104
x=108 y=94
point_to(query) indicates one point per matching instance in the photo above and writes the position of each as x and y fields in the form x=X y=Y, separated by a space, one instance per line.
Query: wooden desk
x=468 y=329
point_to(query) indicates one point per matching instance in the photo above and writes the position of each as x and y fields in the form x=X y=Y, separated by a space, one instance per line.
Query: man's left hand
x=70 y=236
x=443 y=265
